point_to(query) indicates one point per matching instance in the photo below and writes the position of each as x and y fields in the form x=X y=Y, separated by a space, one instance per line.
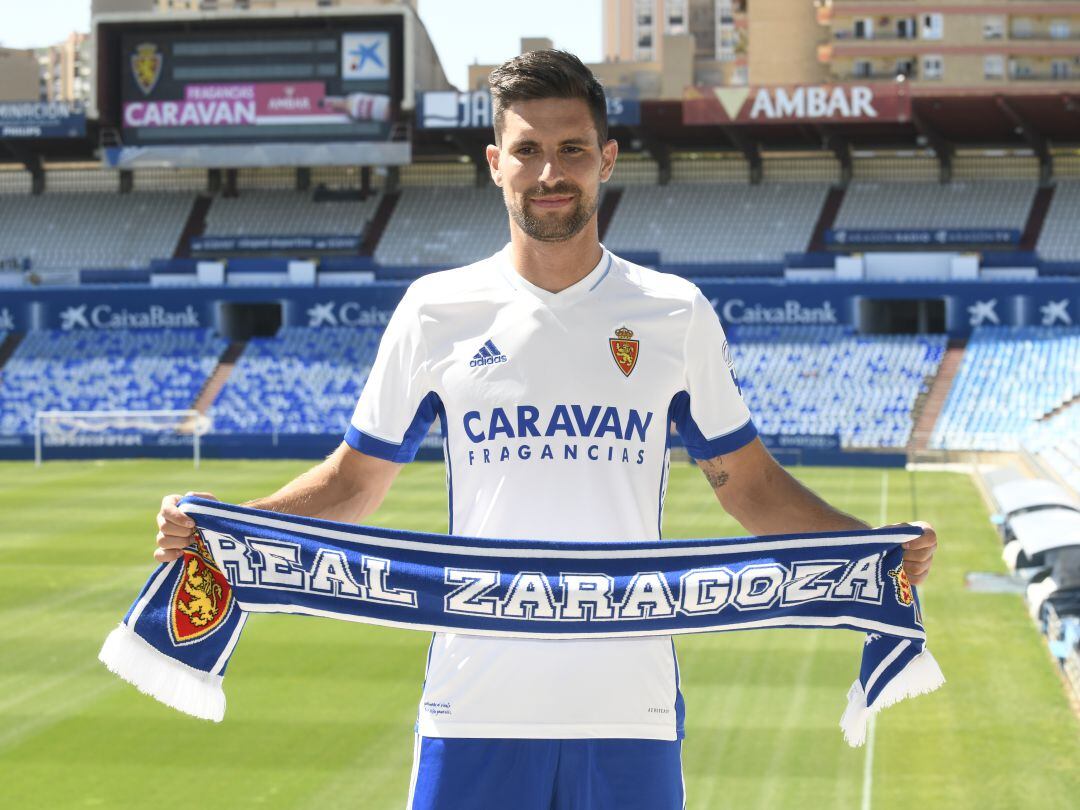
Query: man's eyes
x=529 y=150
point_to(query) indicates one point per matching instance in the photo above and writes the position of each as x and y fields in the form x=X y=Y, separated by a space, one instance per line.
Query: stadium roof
x=1046 y=530
x=1031 y=493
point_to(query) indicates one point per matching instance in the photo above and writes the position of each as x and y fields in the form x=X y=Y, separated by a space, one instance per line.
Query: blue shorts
x=482 y=774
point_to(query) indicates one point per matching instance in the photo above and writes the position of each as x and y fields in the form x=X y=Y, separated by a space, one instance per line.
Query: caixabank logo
x=103 y=316
x=737 y=310
x=349 y=313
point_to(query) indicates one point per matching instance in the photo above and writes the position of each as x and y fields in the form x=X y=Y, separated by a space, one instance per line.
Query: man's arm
x=766 y=499
x=348 y=486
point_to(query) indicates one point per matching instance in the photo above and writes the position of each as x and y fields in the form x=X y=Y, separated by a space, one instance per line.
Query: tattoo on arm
x=716 y=477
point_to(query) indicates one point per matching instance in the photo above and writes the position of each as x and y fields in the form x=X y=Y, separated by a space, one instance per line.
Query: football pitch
x=321 y=713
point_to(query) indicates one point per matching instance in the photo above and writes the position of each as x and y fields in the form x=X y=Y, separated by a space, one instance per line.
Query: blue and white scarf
x=176 y=640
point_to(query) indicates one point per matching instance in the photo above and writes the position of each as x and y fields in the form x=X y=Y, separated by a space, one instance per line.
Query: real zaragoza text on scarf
x=176 y=640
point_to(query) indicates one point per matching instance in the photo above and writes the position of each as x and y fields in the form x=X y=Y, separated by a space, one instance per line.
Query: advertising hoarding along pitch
x=34 y=119
x=787 y=104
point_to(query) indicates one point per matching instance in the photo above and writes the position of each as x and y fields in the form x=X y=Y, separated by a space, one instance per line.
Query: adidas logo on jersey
x=488 y=355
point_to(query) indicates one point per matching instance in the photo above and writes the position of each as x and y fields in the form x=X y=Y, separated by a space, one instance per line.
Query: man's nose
x=551 y=172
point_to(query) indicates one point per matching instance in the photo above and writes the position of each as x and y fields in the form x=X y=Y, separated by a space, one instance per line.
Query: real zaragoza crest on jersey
x=201 y=599
x=624 y=350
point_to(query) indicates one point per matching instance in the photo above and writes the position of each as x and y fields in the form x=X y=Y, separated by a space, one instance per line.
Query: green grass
x=321 y=713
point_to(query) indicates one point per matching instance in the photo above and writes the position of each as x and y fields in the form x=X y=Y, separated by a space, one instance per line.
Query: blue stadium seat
x=828 y=380
x=102 y=370
x=1010 y=379
x=303 y=380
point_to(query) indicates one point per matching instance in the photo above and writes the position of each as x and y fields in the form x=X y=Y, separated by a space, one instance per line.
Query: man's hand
x=175 y=529
x=919 y=553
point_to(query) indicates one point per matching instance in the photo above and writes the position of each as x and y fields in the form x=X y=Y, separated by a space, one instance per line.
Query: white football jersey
x=555 y=410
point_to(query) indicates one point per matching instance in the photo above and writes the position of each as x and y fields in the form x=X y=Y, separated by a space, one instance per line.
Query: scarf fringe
x=163 y=678
x=921 y=676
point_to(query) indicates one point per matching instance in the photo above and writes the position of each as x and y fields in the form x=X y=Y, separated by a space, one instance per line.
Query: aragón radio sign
x=786 y=104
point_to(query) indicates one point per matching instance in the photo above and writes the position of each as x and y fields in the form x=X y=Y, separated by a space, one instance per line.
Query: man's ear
x=608 y=152
x=491 y=152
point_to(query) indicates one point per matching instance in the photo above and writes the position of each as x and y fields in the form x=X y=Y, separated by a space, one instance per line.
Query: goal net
x=108 y=429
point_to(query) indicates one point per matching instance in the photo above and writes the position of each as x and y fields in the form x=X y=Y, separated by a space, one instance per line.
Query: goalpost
x=118 y=429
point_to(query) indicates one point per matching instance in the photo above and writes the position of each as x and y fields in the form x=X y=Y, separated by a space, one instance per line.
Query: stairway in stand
x=216 y=381
x=927 y=410
x=8 y=347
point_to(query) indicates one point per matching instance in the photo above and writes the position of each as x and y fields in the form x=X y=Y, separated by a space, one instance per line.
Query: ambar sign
x=786 y=104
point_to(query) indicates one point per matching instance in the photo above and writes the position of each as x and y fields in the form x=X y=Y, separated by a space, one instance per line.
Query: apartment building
x=1008 y=43
x=65 y=69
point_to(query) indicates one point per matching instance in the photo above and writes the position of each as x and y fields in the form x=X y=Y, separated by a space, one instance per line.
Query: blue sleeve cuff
x=697 y=445
x=370 y=446
x=430 y=408
x=726 y=443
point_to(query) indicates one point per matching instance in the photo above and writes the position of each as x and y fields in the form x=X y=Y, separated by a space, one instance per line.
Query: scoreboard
x=291 y=90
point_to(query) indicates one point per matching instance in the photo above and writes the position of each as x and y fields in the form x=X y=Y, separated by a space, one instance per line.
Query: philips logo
x=488 y=355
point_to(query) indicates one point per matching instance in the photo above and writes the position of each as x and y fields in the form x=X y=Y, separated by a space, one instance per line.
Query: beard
x=552 y=226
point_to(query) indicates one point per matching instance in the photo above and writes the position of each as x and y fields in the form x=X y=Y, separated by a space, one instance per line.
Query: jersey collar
x=570 y=295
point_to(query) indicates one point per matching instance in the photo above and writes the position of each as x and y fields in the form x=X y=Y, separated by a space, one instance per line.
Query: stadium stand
x=92 y=229
x=443 y=227
x=960 y=204
x=1055 y=442
x=827 y=380
x=103 y=370
x=286 y=213
x=302 y=380
x=1060 y=237
x=700 y=223
x=1010 y=377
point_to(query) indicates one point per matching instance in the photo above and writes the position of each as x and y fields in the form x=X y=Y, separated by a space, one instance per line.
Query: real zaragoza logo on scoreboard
x=146 y=62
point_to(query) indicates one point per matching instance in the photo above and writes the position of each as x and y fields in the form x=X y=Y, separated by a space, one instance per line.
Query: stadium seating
x=1056 y=443
x=103 y=370
x=443 y=227
x=287 y=213
x=1010 y=377
x=1060 y=236
x=301 y=381
x=960 y=204
x=701 y=223
x=92 y=229
x=827 y=380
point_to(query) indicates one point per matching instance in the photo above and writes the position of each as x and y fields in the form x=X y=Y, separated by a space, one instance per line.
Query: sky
x=464 y=31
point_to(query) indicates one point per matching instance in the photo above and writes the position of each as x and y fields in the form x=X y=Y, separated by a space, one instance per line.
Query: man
x=555 y=368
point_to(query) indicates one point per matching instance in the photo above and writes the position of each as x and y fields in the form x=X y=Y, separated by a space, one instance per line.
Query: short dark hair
x=546 y=74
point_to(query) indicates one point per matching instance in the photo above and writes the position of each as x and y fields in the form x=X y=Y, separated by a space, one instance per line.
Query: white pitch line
x=868 y=763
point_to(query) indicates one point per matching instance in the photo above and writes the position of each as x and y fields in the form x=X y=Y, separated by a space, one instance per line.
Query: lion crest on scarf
x=198 y=583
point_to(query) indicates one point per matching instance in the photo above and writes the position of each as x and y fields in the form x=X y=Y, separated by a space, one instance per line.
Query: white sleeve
x=397 y=405
x=710 y=414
